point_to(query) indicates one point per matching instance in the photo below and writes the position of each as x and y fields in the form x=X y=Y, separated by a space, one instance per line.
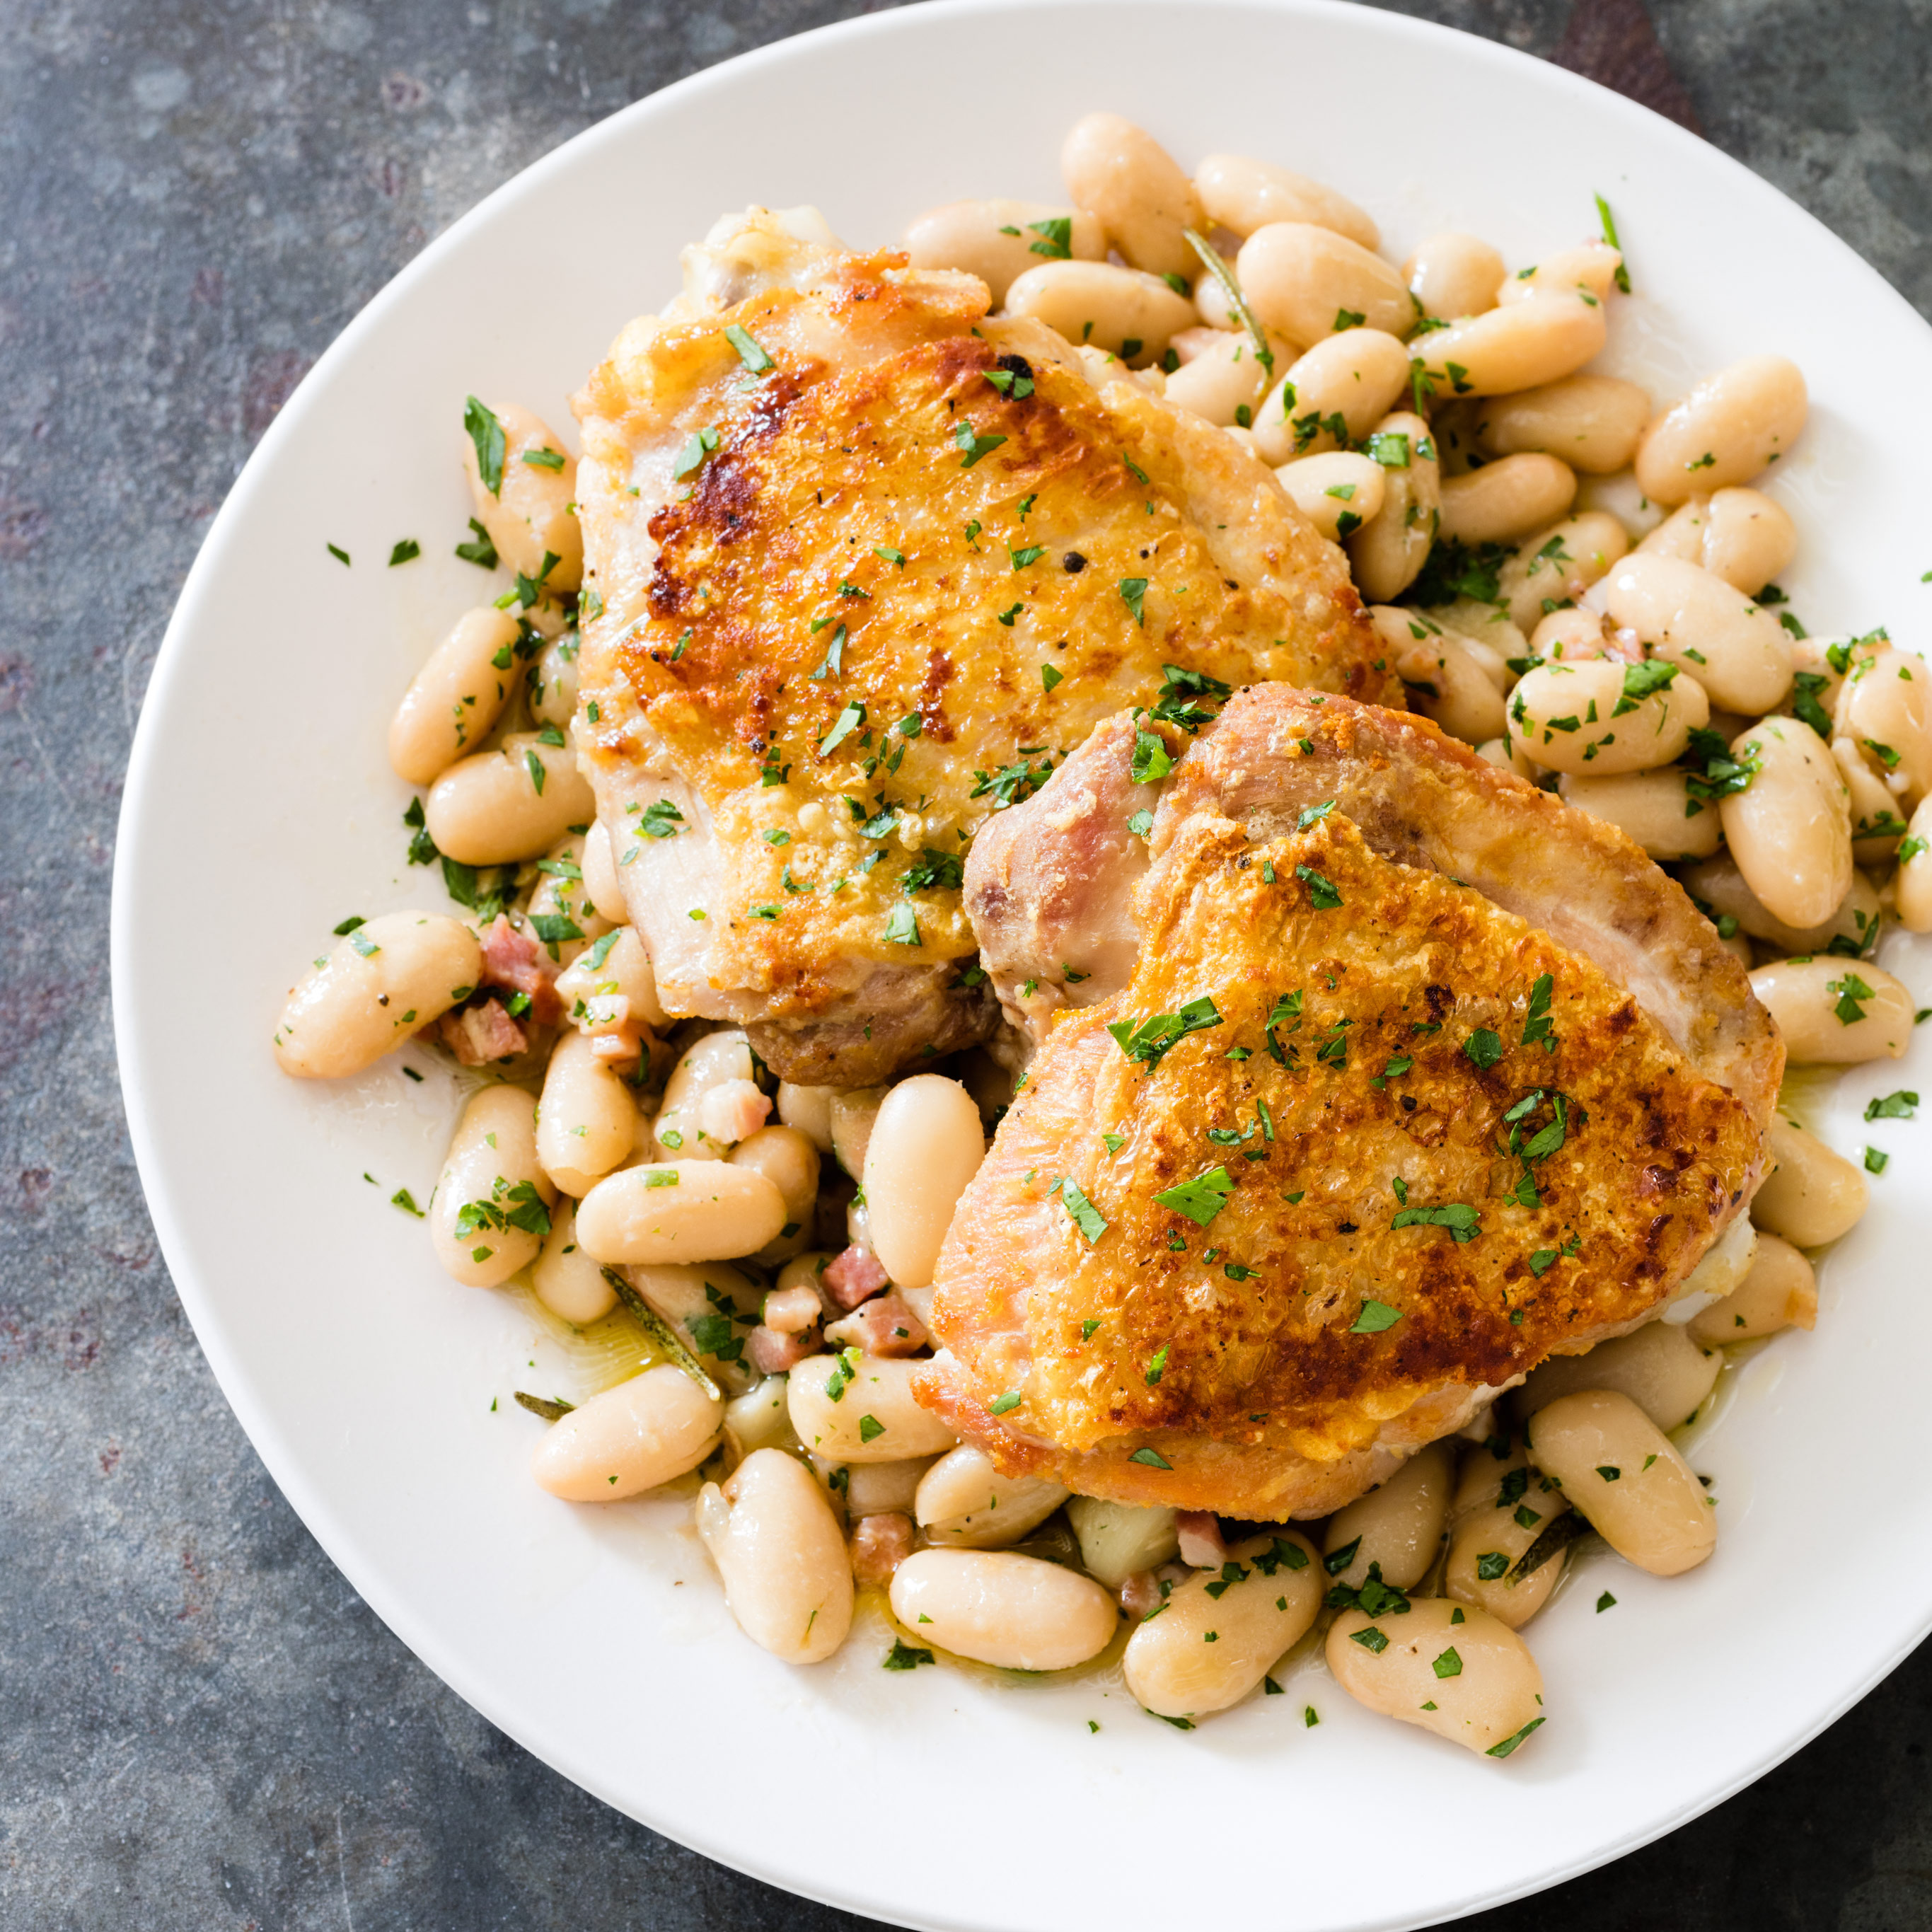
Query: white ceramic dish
x=260 y=809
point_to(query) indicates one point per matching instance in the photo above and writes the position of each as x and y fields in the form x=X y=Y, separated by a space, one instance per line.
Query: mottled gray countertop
x=201 y=1726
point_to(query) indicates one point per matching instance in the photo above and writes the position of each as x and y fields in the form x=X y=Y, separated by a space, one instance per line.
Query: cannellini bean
x=1621 y=1472
x=610 y=991
x=1309 y=283
x=456 y=698
x=1452 y=275
x=1576 y=717
x=758 y=1419
x=925 y=1146
x=1592 y=422
x=689 y=1211
x=1500 y=752
x=1119 y=1540
x=491 y=809
x=999 y=240
x=1523 y=347
x=1216 y=1637
x=1225 y=383
x=554 y=682
x=1653 y=808
x=1096 y=304
x=719 y=1060
x=1507 y=499
x=601 y=879
x=491 y=1173
x=998 y=1607
x=1337 y=493
x=1242 y=195
x=1560 y=563
x=1736 y=650
x=1790 y=830
x=1836 y=1012
x=1455 y=1670
x=1487 y=631
x=637 y=1436
x=1386 y=554
x=391 y=976
x=853 y=1113
x=1659 y=1366
x=1718 y=883
x=1885 y=707
x=568 y=1281
x=530 y=516
x=778 y=1548
x=1564 y=636
x=1447 y=678
x=561 y=896
x=876 y=1489
x=1398 y=1526
x=1740 y=536
x=789 y=1161
x=860 y=1408
x=588 y=1122
x=1875 y=820
x=1813 y=1194
x=1144 y=202
x=1590 y=268
x=965 y=1502
x=1358 y=374
x=808 y=1109
x=1913 y=889
x=1502 y=1508
x=1730 y=428
x=1780 y=1291
x=690 y=1299
x=1211 y=304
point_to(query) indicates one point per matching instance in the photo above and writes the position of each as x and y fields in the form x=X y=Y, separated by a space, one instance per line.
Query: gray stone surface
x=200 y=1724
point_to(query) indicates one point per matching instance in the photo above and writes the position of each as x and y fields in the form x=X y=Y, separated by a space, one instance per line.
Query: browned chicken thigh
x=862 y=567
x=1367 y=1076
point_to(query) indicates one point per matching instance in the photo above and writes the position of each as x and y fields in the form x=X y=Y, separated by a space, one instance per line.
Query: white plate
x=260 y=810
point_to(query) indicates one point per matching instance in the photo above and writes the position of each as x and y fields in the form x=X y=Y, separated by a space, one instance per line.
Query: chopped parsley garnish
x=1322 y=894
x=903 y=1656
x=1510 y=1744
x=902 y=926
x=1157 y=1367
x=974 y=445
x=661 y=820
x=481 y=551
x=405 y=552
x=1200 y=1199
x=1851 y=990
x=1087 y=1217
x=1149 y=1039
x=1140 y=822
x=691 y=457
x=544 y=459
x=1484 y=1047
x=1462 y=1221
x=1448 y=1664
x=340 y=555
x=486 y=433
x=1375 y=1317
x=1133 y=594
x=1056 y=237
x=1151 y=761
x=1898 y=1106
x=847 y=721
x=1152 y=1458
x=751 y=353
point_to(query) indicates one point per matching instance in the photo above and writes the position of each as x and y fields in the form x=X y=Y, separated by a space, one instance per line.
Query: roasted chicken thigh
x=1367 y=1076
x=862 y=566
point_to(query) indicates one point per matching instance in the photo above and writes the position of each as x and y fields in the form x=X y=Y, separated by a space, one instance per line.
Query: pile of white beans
x=631 y=1169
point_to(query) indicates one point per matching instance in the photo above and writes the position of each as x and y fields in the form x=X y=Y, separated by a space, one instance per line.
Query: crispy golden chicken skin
x=862 y=567
x=1352 y=1148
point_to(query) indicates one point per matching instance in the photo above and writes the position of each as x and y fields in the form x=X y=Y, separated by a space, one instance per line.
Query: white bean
x=1780 y=1292
x=1455 y=1670
x=1593 y=422
x=1386 y=554
x=1523 y=347
x=456 y=698
x=1225 y=383
x=963 y=1501
x=601 y=879
x=568 y=1281
x=998 y=240
x=1144 y=202
x=717 y=1060
x=1885 y=707
x=1358 y=375
x=392 y=976
x=1625 y=1477
x=1875 y=824
x=1740 y=536
x=1338 y=493
x=882 y=1489
x=691 y=1298
x=490 y=1214
x=1736 y=650
x=998 y=1607
x=1309 y=283
x=1447 y=678
x=778 y=1548
x=562 y=901
x=1502 y=1508
x=588 y=1122
x=1589 y=269
x=808 y=1109
x=1659 y=1366
x=850 y=1408
x=1813 y=1194
x=1216 y=1637
x=531 y=515
x=789 y=1161
x=1242 y=195
x=1094 y=304
x=691 y=1210
x=1913 y=889
x=1452 y=275
x=759 y=1420
x=924 y=1148
x=1118 y=1540
x=490 y=809
x=1836 y=1012
x=1653 y=808
x=1717 y=884
x=1398 y=1527
x=1560 y=563
x=1730 y=428
x=1576 y=717
x=637 y=1436
x=1790 y=830
x=1507 y=499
